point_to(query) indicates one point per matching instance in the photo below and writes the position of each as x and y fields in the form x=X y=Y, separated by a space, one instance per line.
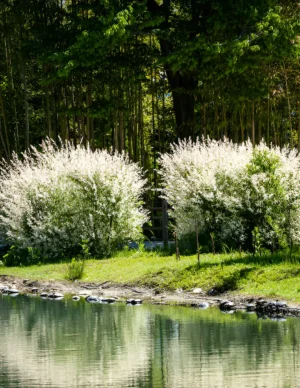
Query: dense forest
x=138 y=75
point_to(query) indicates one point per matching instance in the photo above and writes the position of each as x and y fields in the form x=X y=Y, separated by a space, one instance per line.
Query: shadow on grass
x=172 y=278
x=250 y=259
x=263 y=260
x=226 y=281
x=230 y=281
x=223 y=273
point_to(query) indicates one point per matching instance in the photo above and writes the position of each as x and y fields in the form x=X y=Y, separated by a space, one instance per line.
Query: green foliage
x=264 y=199
x=256 y=241
x=75 y=269
x=85 y=249
x=106 y=80
x=21 y=256
x=240 y=196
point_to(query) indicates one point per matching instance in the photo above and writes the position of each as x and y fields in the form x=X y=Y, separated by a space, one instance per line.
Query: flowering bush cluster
x=234 y=192
x=54 y=199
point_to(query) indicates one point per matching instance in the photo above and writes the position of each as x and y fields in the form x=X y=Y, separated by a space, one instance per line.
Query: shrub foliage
x=243 y=196
x=75 y=269
x=54 y=199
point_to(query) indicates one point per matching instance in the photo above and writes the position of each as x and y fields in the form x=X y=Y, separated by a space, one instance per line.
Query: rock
x=280 y=303
x=76 y=298
x=179 y=291
x=250 y=307
x=134 y=301
x=212 y=292
x=108 y=300
x=203 y=305
x=197 y=290
x=223 y=302
x=92 y=299
x=227 y=305
x=32 y=283
x=271 y=306
x=13 y=291
x=44 y=295
x=34 y=290
x=261 y=302
x=55 y=295
x=3 y=289
x=13 y=294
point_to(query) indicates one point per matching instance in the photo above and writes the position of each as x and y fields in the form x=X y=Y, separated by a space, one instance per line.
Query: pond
x=46 y=343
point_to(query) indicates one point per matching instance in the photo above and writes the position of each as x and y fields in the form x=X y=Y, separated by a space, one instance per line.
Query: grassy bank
x=270 y=275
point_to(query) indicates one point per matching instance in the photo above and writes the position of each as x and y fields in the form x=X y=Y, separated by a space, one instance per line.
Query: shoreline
x=122 y=292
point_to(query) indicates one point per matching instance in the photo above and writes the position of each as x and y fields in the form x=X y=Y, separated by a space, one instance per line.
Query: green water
x=46 y=343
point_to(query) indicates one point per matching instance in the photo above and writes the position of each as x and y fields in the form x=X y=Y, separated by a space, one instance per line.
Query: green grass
x=269 y=275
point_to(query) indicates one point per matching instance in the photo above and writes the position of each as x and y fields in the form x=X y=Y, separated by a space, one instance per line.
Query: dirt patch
x=123 y=292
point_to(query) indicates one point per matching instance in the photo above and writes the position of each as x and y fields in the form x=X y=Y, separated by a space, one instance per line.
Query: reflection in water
x=65 y=344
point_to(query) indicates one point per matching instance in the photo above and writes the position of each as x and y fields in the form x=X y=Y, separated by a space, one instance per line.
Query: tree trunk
x=288 y=105
x=259 y=127
x=253 y=123
x=5 y=124
x=121 y=131
x=3 y=142
x=242 y=124
x=141 y=126
x=204 y=122
x=182 y=86
x=299 y=127
x=12 y=88
x=216 y=123
x=225 y=121
x=25 y=103
x=268 y=123
x=73 y=114
x=90 y=121
x=48 y=114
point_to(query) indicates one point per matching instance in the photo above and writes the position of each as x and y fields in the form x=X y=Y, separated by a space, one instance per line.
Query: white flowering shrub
x=54 y=199
x=230 y=191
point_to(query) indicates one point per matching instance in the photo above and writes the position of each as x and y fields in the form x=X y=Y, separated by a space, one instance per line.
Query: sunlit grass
x=270 y=275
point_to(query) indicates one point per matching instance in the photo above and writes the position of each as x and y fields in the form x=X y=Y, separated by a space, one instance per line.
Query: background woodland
x=136 y=76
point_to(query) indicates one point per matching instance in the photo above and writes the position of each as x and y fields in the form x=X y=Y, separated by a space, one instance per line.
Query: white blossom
x=229 y=189
x=54 y=199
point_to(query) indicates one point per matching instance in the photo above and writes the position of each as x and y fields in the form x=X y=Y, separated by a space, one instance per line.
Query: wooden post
x=197 y=242
x=165 y=223
x=176 y=245
x=253 y=124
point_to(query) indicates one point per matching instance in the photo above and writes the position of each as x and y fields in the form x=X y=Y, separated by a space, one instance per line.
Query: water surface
x=46 y=343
